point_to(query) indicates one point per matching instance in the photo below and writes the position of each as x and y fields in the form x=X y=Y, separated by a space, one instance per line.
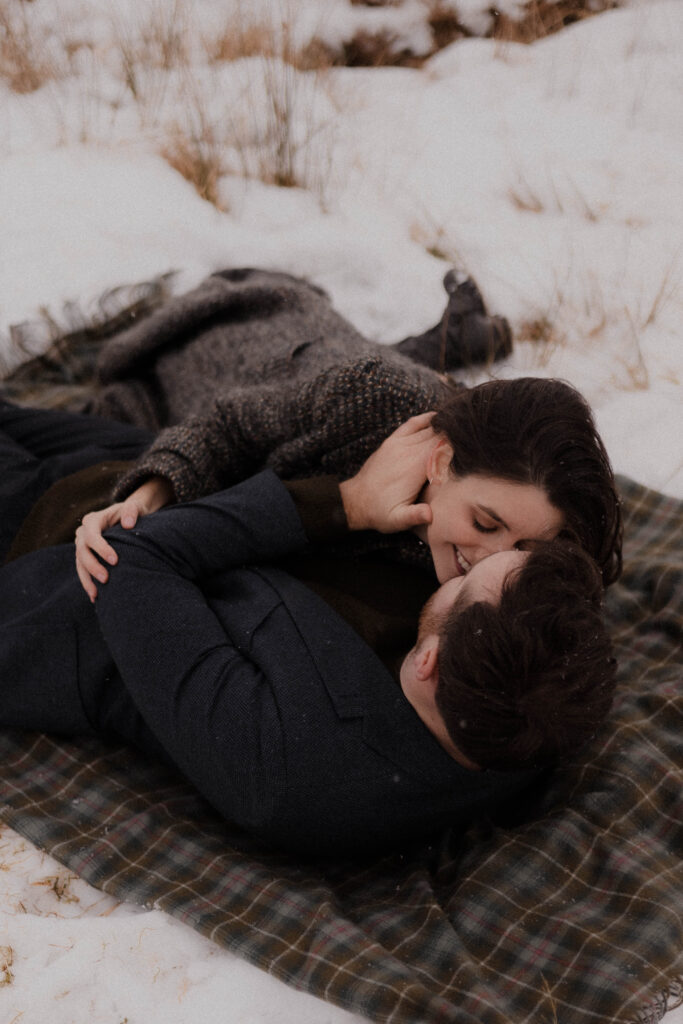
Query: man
x=212 y=656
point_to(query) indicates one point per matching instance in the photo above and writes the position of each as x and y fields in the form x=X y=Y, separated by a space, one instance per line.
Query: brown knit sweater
x=325 y=425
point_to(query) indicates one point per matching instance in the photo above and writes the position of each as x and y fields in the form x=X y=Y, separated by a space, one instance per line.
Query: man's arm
x=196 y=687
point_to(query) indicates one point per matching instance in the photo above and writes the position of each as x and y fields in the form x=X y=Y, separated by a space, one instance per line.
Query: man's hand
x=149 y=497
x=382 y=494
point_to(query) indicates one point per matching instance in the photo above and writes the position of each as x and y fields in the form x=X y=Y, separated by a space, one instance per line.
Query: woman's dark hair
x=528 y=681
x=540 y=432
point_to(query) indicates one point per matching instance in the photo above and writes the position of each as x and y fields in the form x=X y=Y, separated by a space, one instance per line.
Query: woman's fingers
x=417 y=423
x=87 y=583
x=406 y=517
x=90 y=544
x=91 y=547
x=383 y=493
x=129 y=513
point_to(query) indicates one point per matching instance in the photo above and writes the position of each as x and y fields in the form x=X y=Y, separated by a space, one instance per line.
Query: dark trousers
x=40 y=446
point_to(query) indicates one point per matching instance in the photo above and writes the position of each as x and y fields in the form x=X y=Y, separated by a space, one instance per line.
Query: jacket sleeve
x=254 y=522
x=195 y=685
x=319 y=425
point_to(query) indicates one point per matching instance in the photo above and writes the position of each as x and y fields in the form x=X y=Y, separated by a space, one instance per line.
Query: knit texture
x=238 y=328
x=326 y=425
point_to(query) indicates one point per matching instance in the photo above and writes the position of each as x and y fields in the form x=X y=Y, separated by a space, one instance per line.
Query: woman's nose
x=492 y=545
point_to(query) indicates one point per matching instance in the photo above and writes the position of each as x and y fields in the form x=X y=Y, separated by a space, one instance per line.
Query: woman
x=502 y=463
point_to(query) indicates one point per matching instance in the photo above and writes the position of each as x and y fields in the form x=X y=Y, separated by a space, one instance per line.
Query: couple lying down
x=284 y=641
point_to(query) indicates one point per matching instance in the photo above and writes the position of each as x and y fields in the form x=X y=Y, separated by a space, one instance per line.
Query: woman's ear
x=439 y=461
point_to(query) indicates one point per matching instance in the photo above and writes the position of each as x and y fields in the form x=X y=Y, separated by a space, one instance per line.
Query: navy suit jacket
x=208 y=655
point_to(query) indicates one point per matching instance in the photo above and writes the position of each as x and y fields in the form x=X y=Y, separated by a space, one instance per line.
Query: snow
x=552 y=173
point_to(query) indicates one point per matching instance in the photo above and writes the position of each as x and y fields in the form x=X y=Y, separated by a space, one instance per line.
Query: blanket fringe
x=669 y=998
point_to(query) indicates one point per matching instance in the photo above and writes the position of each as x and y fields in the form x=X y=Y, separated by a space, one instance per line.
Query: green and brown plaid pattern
x=575 y=915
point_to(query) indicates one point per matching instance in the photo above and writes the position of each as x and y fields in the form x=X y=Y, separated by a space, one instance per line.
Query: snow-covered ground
x=552 y=173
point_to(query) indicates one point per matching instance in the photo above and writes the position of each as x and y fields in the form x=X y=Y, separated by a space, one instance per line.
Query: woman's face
x=475 y=516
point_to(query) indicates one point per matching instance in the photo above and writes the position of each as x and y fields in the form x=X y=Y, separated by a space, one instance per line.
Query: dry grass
x=567 y=199
x=525 y=199
x=264 y=132
x=243 y=39
x=158 y=42
x=381 y=48
x=435 y=240
x=542 y=18
x=444 y=25
x=275 y=142
x=273 y=131
x=667 y=290
x=60 y=886
x=6 y=961
x=544 y=332
x=25 y=61
x=192 y=145
x=198 y=160
x=273 y=128
x=377 y=49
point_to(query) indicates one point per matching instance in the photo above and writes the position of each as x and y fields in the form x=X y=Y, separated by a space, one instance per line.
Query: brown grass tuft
x=6 y=961
x=376 y=49
x=542 y=18
x=198 y=159
x=544 y=333
x=237 y=40
x=241 y=38
x=25 y=62
x=444 y=25
x=523 y=198
x=539 y=330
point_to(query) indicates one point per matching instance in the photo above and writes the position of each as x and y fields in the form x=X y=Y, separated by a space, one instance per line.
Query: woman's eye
x=484 y=529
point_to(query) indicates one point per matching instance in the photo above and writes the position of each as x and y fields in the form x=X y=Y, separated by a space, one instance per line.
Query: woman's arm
x=329 y=423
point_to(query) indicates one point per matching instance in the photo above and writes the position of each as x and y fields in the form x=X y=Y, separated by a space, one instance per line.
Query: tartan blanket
x=572 y=914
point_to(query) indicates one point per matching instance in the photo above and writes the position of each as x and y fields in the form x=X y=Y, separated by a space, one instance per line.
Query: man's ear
x=426 y=660
x=439 y=461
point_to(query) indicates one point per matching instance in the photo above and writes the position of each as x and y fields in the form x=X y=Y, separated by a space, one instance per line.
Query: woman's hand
x=149 y=497
x=382 y=494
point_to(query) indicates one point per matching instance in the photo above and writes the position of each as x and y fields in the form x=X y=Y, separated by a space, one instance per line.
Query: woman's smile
x=476 y=516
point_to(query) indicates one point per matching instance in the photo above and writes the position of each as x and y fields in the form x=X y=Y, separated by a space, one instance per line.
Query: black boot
x=464 y=336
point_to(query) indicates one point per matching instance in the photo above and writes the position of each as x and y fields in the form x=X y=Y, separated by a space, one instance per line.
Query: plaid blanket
x=574 y=914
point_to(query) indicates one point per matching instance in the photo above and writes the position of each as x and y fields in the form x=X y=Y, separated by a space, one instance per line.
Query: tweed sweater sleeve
x=327 y=424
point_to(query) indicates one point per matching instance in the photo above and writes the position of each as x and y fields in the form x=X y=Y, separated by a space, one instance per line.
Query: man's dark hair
x=528 y=681
x=540 y=432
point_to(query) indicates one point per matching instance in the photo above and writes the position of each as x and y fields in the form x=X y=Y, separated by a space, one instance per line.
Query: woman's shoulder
x=386 y=376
